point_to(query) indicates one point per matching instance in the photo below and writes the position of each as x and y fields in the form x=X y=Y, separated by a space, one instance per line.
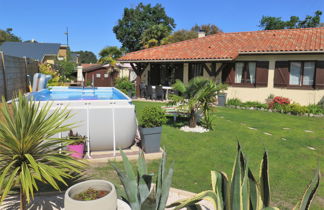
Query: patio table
x=166 y=88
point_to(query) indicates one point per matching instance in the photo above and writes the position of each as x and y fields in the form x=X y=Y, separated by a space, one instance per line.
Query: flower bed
x=278 y=104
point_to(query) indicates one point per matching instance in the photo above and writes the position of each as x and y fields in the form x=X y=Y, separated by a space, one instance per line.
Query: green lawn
x=292 y=164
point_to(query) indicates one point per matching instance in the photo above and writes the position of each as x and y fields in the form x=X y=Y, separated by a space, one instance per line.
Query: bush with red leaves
x=278 y=100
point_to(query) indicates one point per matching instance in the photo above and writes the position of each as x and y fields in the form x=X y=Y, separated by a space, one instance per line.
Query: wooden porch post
x=138 y=69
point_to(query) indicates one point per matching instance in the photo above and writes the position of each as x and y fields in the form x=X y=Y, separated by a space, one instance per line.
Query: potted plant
x=91 y=194
x=77 y=145
x=151 y=128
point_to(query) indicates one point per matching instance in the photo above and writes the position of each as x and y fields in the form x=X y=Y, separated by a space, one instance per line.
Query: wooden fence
x=13 y=74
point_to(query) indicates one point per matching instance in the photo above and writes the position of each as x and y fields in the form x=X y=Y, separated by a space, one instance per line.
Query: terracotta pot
x=77 y=150
x=108 y=202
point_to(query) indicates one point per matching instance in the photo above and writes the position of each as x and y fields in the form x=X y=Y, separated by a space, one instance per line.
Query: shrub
x=315 y=109
x=124 y=85
x=255 y=104
x=152 y=117
x=278 y=100
x=48 y=69
x=234 y=102
x=297 y=109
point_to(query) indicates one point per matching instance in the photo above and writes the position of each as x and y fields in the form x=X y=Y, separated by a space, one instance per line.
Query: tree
x=66 y=67
x=86 y=56
x=7 y=35
x=271 y=23
x=110 y=54
x=136 y=20
x=179 y=36
x=197 y=95
x=182 y=35
x=207 y=28
x=29 y=153
x=154 y=36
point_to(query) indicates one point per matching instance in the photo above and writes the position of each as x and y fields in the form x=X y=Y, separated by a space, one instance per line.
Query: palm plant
x=243 y=191
x=28 y=151
x=198 y=94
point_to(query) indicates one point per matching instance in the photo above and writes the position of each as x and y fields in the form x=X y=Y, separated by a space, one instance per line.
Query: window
x=301 y=73
x=106 y=75
x=309 y=72
x=98 y=75
x=245 y=72
x=195 y=70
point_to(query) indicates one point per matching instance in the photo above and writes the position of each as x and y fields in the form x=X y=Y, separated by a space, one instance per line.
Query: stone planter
x=107 y=202
x=221 y=99
x=151 y=138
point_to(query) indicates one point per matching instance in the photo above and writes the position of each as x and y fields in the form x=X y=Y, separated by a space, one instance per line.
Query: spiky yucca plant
x=138 y=185
x=243 y=191
x=28 y=151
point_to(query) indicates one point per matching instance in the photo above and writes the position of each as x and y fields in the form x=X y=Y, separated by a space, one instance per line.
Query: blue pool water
x=78 y=93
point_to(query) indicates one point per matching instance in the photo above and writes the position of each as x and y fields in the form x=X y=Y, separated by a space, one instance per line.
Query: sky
x=90 y=22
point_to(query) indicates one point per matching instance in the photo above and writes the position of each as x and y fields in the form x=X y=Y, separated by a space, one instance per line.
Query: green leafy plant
x=297 y=109
x=152 y=117
x=124 y=85
x=207 y=121
x=314 y=109
x=255 y=104
x=199 y=94
x=234 y=102
x=243 y=191
x=28 y=150
x=140 y=194
x=75 y=138
x=48 y=69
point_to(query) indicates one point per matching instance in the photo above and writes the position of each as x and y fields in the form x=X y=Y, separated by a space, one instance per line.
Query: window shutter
x=281 y=74
x=261 y=74
x=228 y=73
x=319 y=75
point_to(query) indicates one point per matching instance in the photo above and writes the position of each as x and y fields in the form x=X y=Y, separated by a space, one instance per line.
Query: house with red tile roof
x=254 y=64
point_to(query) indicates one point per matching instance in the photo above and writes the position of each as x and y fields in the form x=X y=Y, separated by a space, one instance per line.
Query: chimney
x=201 y=33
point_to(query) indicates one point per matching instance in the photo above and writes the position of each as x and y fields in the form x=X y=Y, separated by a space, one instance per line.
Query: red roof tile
x=230 y=45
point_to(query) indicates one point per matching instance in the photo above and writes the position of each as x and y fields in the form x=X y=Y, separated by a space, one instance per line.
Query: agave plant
x=243 y=191
x=140 y=194
x=197 y=95
x=28 y=152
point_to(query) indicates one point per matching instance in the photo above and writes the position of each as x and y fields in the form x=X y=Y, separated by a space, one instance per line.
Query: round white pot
x=108 y=202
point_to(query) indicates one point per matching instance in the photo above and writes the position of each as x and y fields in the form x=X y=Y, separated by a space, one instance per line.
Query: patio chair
x=159 y=93
x=149 y=92
x=143 y=90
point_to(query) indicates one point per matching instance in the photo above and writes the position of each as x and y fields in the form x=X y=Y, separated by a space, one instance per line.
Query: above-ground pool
x=104 y=115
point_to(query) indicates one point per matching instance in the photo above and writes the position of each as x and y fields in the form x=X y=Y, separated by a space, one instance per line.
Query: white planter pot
x=108 y=202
